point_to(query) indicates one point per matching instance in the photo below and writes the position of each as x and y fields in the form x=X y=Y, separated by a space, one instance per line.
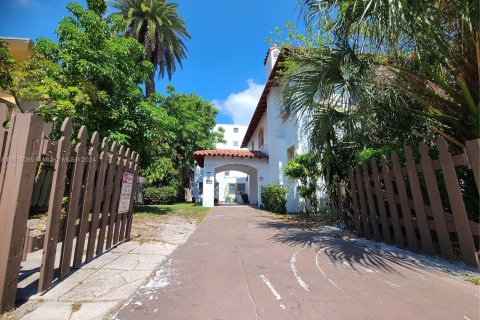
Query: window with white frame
x=235 y=143
x=235 y=130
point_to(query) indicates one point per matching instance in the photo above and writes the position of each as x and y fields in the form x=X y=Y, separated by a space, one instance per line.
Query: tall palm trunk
x=150 y=86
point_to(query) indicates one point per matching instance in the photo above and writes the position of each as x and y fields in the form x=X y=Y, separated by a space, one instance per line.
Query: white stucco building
x=229 y=184
x=270 y=141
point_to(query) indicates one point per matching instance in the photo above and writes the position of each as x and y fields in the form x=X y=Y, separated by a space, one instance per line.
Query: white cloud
x=240 y=106
x=25 y=3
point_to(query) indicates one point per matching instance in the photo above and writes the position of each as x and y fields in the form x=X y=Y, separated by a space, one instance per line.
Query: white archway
x=256 y=168
x=252 y=181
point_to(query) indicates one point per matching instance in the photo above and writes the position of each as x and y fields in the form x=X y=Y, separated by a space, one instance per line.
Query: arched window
x=261 y=138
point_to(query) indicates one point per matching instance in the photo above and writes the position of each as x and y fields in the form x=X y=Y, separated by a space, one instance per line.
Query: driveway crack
x=246 y=283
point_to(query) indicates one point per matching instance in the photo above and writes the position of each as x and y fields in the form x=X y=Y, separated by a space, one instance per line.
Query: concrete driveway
x=241 y=263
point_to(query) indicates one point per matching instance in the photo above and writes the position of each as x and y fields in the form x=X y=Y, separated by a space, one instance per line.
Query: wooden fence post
x=99 y=196
x=353 y=194
x=55 y=206
x=124 y=216
x=116 y=194
x=435 y=203
x=371 y=203
x=381 y=202
x=363 y=204
x=457 y=204
x=112 y=159
x=406 y=211
x=22 y=147
x=417 y=196
x=132 y=202
x=118 y=216
x=87 y=200
x=473 y=151
x=73 y=202
x=392 y=204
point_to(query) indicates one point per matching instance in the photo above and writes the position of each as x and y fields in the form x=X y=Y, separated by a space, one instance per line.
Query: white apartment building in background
x=270 y=141
x=229 y=184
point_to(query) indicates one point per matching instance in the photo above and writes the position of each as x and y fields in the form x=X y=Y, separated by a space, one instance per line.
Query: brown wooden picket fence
x=390 y=205
x=96 y=179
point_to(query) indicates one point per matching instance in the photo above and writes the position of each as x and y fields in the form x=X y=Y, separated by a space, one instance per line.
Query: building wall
x=231 y=136
x=221 y=179
x=280 y=135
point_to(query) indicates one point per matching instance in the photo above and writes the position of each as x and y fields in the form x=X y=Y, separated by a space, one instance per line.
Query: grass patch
x=182 y=210
x=473 y=279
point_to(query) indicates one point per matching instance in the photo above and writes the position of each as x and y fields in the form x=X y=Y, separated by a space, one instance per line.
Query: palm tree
x=435 y=50
x=157 y=25
x=384 y=67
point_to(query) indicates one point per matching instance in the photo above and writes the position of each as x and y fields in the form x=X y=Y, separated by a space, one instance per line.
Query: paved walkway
x=243 y=264
x=101 y=287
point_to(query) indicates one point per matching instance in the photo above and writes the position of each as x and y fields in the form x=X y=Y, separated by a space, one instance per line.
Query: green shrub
x=305 y=167
x=274 y=198
x=160 y=195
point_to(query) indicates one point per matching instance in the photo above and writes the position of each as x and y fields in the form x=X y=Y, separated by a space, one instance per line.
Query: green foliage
x=274 y=198
x=371 y=81
x=366 y=155
x=184 y=124
x=440 y=86
x=329 y=215
x=97 y=6
x=6 y=64
x=305 y=167
x=160 y=195
x=92 y=74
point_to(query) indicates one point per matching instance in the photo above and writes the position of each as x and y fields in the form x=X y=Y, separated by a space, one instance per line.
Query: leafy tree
x=188 y=127
x=6 y=64
x=162 y=31
x=92 y=75
x=305 y=167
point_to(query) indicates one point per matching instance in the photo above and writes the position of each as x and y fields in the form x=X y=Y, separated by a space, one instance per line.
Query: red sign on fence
x=125 y=193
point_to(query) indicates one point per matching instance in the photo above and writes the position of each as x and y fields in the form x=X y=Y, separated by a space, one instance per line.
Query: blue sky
x=225 y=54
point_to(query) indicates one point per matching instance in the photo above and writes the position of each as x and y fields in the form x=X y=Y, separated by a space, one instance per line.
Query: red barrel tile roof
x=242 y=153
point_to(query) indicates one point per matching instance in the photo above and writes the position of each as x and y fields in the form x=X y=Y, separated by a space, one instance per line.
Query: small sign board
x=125 y=193
x=209 y=181
x=260 y=178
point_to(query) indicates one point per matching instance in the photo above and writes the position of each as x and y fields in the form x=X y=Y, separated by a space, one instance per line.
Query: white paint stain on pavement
x=295 y=271
x=319 y=268
x=272 y=288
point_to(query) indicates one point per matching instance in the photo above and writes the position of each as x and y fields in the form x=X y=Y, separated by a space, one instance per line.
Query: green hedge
x=274 y=198
x=160 y=195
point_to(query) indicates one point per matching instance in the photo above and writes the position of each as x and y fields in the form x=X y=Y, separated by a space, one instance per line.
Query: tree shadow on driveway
x=339 y=251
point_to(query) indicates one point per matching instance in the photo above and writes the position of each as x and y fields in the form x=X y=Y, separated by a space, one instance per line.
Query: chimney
x=271 y=59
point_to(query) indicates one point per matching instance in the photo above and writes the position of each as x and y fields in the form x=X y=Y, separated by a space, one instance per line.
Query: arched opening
x=229 y=188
